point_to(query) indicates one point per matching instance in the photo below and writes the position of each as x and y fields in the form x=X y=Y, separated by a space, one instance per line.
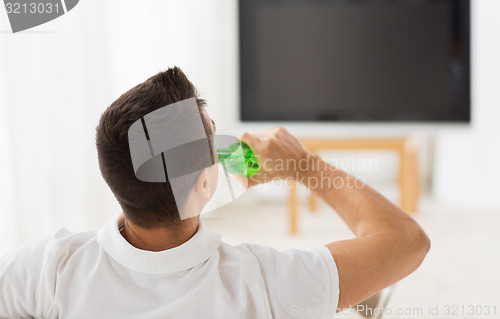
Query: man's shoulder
x=60 y=243
x=64 y=244
x=68 y=238
x=261 y=250
x=264 y=254
x=242 y=253
x=242 y=249
x=35 y=255
x=61 y=237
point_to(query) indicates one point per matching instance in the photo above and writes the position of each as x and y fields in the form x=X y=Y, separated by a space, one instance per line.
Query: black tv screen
x=354 y=60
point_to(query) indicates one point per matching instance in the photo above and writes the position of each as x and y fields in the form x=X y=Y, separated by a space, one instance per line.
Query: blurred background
x=58 y=78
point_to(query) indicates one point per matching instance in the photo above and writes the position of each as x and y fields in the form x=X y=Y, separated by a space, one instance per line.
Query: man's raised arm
x=389 y=244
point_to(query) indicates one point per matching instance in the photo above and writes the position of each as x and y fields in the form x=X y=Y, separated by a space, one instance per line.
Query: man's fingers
x=250 y=139
x=254 y=142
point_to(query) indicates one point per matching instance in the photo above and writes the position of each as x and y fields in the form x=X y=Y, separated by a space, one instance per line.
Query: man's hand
x=280 y=155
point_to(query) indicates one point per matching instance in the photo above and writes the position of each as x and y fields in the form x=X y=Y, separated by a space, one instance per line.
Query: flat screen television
x=354 y=60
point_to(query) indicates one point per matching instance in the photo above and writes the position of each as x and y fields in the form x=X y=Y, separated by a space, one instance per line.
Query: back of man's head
x=146 y=204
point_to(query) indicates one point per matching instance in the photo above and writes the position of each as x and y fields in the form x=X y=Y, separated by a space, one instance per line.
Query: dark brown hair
x=146 y=204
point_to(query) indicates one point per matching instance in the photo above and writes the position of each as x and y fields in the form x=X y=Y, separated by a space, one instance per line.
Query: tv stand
x=408 y=169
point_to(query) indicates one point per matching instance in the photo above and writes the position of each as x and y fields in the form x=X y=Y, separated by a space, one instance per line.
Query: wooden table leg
x=402 y=179
x=293 y=209
x=313 y=202
x=408 y=178
x=413 y=180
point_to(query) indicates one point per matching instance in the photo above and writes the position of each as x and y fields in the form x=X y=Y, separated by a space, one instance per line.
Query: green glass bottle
x=238 y=159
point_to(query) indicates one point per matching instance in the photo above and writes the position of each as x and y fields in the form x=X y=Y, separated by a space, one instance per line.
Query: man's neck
x=158 y=239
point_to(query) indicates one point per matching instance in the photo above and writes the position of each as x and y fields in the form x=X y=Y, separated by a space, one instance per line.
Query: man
x=150 y=263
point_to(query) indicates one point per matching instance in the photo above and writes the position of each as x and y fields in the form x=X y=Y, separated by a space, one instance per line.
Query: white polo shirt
x=100 y=275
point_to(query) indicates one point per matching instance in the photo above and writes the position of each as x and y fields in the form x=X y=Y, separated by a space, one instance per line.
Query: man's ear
x=202 y=186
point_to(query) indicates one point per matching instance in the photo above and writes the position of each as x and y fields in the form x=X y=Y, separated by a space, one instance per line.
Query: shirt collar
x=196 y=250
